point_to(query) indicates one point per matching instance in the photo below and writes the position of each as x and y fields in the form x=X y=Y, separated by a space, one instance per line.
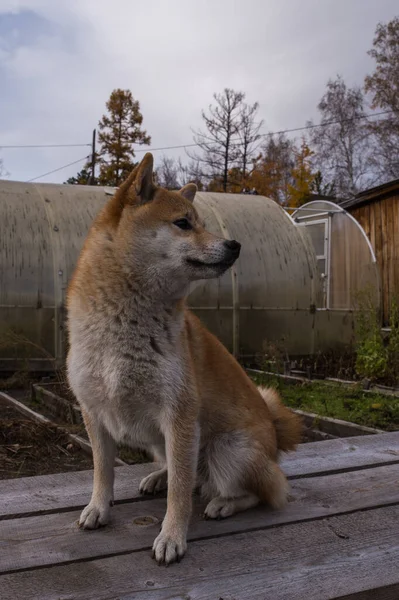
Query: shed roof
x=372 y=195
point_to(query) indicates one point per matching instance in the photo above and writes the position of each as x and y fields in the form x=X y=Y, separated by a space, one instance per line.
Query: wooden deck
x=337 y=538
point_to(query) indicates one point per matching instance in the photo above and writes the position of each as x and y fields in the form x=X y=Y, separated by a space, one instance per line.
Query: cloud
x=59 y=61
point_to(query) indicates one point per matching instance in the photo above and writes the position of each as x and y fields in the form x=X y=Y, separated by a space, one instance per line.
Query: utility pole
x=93 y=158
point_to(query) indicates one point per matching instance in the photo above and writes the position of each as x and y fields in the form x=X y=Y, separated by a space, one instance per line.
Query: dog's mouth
x=199 y=264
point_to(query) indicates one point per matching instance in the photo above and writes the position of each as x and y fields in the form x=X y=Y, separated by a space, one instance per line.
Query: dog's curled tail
x=288 y=425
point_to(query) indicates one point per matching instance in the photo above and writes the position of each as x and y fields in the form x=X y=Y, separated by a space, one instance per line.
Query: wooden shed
x=377 y=211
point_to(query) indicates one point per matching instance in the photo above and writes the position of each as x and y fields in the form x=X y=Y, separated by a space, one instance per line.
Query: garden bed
x=31 y=448
x=55 y=400
x=329 y=410
x=337 y=408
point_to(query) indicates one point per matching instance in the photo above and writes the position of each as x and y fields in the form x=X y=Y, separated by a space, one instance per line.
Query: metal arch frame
x=337 y=208
x=364 y=235
x=340 y=210
x=288 y=215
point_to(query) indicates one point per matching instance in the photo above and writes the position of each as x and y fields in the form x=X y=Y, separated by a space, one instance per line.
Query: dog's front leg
x=97 y=511
x=181 y=442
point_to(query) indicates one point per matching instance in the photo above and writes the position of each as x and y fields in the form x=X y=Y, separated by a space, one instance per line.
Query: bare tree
x=3 y=171
x=190 y=173
x=383 y=85
x=343 y=144
x=220 y=143
x=173 y=174
x=167 y=174
x=249 y=136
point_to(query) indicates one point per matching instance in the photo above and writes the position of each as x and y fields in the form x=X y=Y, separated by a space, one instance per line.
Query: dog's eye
x=183 y=224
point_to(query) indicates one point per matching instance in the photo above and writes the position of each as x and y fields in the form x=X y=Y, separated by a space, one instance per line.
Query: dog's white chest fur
x=126 y=369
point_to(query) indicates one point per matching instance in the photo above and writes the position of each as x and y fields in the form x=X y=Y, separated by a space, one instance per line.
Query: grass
x=338 y=401
x=131 y=456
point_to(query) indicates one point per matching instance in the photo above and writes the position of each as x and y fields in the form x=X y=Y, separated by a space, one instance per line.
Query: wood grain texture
x=63 y=491
x=395 y=252
x=351 y=557
x=71 y=491
x=335 y=427
x=52 y=539
x=380 y=221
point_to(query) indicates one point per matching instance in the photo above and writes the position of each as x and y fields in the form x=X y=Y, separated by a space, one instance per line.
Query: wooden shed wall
x=380 y=221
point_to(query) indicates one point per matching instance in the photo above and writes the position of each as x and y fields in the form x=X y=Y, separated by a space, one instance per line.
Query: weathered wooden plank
x=340 y=455
x=385 y=252
x=389 y=592
x=395 y=247
x=8 y=400
x=53 y=539
x=372 y=225
x=335 y=427
x=64 y=491
x=366 y=220
x=70 y=491
x=351 y=557
x=55 y=404
x=378 y=249
x=391 y=233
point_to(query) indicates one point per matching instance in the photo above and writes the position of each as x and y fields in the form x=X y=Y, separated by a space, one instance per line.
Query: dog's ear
x=137 y=189
x=188 y=191
x=144 y=180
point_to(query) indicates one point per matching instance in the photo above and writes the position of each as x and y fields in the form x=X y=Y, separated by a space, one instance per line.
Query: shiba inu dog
x=147 y=373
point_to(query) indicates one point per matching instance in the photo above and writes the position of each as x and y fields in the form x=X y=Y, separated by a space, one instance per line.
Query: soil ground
x=28 y=448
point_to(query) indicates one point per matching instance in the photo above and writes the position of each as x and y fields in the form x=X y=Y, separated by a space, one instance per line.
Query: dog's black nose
x=233 y=246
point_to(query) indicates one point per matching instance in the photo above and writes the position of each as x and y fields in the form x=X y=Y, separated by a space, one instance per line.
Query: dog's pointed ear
x=188 y=191
x=144 y=180
x=137 y=189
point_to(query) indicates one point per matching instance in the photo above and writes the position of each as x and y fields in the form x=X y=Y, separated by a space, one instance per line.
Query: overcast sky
x=60 y=60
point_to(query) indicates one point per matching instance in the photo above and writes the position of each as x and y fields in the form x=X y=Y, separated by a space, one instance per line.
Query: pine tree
x=272 y=171
x=119 y=129
x=82 y=178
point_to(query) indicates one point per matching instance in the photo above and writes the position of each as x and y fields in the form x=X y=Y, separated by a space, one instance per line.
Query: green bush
x=375 y=358
x=393 y=343
x=371 y=359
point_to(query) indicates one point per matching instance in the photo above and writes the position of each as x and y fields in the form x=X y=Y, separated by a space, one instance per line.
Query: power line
x=46 y=146
x=314 y=125
x=165 y=148
x=192 y=145
x=59 y=169
x=271 y=133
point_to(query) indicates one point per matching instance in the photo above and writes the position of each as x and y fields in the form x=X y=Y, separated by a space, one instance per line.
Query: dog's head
x=159 y=235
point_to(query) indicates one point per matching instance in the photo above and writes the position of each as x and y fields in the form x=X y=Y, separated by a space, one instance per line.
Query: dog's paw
x=154 y=483
x=220 y=508
x=94 y=516
x=169 y=548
